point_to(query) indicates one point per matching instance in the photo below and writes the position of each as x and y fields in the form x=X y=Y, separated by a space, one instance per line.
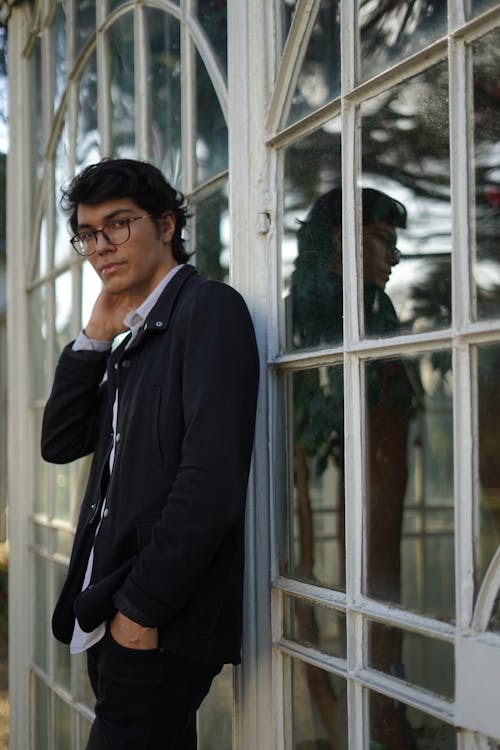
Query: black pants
x=146 y=700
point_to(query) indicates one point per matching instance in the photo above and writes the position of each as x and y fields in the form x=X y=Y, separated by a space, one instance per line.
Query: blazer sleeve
x=207 y=499
x=71 y=419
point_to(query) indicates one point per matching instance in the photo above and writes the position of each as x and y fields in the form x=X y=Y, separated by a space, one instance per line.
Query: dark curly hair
x=315 y=233
x=140 y=181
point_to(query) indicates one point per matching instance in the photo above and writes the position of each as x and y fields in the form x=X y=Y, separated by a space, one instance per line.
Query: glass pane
x=88 y=142
x=486 y=57
x=394 y=725
x=215 y=721
x=64 y=301
x=488 y=416
x=84 y=691
x=91 y=286
x=62 y=542
x=425 y=662
x=84 y=730
x=406 y=159
x=61 y=656
x=313 y=533
x=310 y=249
x=211 y=130
x=494 y=625
x=40 y=485
x=39 y=130
x=40 y=713
x=62 y=511
x=316 y=707
x=409 y=482
x=84 y=23
x=41 y=614
x=478 y=6
x=62 y=665
x=286 y=11
x=212 y=241
x=315 y=626
x=41 y=259
x=62 y=174
x=58 y=34
x=212 y=15
x=319 y=77
x=38 y=334
x=392 y=31
x=113 y=4
x=120 y=47
x=40 y=537
x=62 y=724
x=164 y=85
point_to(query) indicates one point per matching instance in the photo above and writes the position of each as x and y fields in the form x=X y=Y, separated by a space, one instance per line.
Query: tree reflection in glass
x=319 y=77
x=390 y=31
x=313 y=544
x=405 y=143
x=486 y=57
x=88 y=140
x=211 y=128
x=478 y=6
x=120 y=48
x=212 y=14
x=164 y=93
x=209 y=234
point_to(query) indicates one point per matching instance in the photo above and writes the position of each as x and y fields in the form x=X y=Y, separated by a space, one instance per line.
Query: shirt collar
x=135 y=318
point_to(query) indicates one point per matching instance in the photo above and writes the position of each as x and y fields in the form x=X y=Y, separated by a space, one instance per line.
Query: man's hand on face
x=130 y=634
x=106 y=318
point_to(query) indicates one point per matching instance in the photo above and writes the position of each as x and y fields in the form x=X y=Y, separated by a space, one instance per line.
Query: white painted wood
x=18 y=240
x=291 y=62
x=141 y=57
x=488 y=593
x=477 y=685
x=247 y=94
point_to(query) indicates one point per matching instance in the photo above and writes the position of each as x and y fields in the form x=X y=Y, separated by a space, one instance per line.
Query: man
x=154 y=587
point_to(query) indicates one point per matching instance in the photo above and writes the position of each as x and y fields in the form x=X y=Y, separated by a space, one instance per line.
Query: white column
x=253 y=258
x=19 y=224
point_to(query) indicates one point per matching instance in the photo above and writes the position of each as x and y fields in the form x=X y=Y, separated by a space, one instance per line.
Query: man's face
x=139 y=264
x=379 y=252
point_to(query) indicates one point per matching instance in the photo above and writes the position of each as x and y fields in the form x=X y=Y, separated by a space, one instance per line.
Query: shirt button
x=118 y=437
x=116 y=365
x=106 y=513
x=158 y=323
x=126 y=363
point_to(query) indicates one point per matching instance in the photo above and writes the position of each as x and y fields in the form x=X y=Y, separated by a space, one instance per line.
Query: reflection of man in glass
x=317 y=305
x=317 y=279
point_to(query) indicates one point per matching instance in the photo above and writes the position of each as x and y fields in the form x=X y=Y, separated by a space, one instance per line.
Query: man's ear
x=167 y=226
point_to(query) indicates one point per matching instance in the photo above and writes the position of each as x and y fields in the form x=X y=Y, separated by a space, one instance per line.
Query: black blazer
x=169 y=551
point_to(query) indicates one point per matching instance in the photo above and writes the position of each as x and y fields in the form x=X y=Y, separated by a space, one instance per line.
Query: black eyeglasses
x=116 y=232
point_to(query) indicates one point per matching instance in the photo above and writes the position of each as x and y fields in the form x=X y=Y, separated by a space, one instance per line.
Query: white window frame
x=255 y=104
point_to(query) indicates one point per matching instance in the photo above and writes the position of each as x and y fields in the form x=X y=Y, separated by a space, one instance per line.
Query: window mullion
x=457 y=14
x=103 y=84
x=188 y=113
x=465 y=428
x=464 y=424
x=461 y=189
x=140 y=76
